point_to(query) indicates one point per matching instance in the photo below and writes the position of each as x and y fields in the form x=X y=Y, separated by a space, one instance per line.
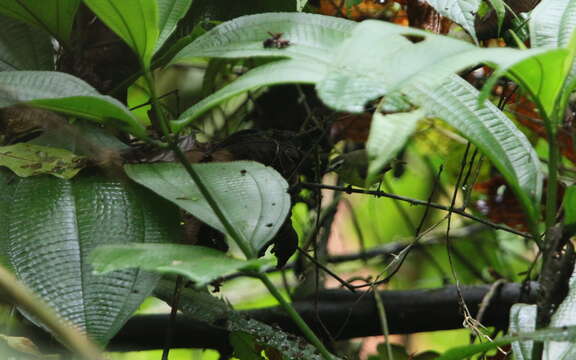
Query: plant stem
x=72 y=337
x=552 y=184
x=308 y=333
x=236 y=235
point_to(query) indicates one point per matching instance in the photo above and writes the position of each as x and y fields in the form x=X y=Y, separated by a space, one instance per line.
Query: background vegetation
x=272 y=179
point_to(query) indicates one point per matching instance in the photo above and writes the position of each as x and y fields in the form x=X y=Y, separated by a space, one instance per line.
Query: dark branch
x=346 y=315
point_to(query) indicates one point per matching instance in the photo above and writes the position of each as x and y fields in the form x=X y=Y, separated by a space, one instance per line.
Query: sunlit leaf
x=29 y=160
x=54 y=16
x=379 y=58
x=311 y=37
x=553 y=25
x=543 y=75
x=253 y=197
x=169 y=12
x=65 y=93
x=135 y=21
x=24 y=47
x=199 y=264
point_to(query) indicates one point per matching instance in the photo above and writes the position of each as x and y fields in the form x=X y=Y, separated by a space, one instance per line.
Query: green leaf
x=552 y=334
x=500 y=9
x=491 y=131
x=48 y=238
x=245 y=347
x=67 y=94
x=253 y=197
x=542 y=75
x=312 y=37
x=169 y=13
x=388 y=134
x=284 y=71
x=30 y=160
x=380 y=58
x=462 y=12
x=199 y=264
x=135 y=21
x=24 y=47
x=570 y=205
x=552 y=23
x=54 y=16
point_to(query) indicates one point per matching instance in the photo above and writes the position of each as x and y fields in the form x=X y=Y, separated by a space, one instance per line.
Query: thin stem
x=351 y=190
x=552 y=184
x=72 y=337
x=236 y=236
x=308 y=333
x=383 y=321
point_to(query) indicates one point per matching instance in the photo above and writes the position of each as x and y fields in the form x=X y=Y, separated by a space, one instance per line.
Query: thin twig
x=173 y=312
x=350 y=190
x=328 y=271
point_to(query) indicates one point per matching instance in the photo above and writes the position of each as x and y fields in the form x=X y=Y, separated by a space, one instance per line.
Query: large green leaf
x=199 y=264
x=312 y=37
x=284 y=71
x=169 y=12
x=380 y=57
x=253 y=197
x=456 y=102
x=67 y=94
x=362 y=61
x=388 y=134
x=462 y=12
x=49 y=227
x=543 y=75
x=54 y=16
x=552 y=23
x=135 y=21
x=24 y=47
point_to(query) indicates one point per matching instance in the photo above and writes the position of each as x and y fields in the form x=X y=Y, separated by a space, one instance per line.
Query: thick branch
x=346 y=315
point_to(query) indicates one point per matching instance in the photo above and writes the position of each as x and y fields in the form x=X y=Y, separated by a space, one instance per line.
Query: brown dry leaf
x=367 y=9
x=500 y=205
x=527 y=114
x=354 y=127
